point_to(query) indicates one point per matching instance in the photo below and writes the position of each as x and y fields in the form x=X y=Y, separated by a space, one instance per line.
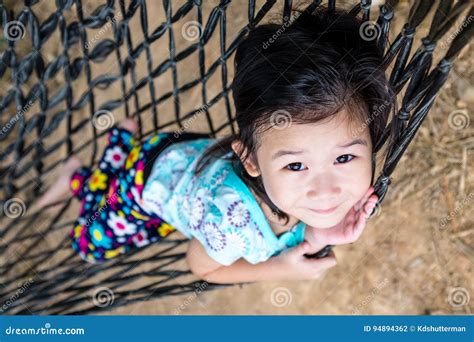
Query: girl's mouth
x=325 y=211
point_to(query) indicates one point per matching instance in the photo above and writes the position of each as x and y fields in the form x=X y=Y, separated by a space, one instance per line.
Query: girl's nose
x=324 y=190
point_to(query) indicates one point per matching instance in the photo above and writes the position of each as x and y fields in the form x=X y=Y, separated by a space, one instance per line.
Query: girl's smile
x=325 y=211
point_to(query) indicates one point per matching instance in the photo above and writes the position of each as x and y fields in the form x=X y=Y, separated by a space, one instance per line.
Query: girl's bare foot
x=59 y=190
x=129 y=124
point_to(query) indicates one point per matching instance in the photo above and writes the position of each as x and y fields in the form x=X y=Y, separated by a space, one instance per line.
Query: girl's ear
x=249 y=165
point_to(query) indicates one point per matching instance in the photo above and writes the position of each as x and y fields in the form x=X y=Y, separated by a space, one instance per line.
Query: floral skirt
x=111 y=220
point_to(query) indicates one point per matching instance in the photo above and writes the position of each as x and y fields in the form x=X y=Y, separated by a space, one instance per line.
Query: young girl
x=312 y=101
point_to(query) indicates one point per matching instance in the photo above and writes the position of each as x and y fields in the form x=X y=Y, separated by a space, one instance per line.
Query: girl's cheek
x=280 y=192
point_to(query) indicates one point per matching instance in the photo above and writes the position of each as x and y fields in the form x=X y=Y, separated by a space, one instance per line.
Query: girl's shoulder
x=190 y=149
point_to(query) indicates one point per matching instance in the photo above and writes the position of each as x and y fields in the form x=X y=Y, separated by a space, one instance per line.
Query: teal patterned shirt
x=216 y=207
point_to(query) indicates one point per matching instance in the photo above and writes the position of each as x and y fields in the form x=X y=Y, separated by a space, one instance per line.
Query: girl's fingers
x=359 y=226
x=363 y=216
x=353 y=225
x=370 y=205
x=364 y=199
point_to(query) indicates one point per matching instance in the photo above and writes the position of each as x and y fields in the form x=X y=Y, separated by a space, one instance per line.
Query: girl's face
x=308 y=167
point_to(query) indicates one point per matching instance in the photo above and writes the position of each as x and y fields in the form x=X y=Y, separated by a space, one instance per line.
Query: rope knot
x=403 y=115
x=445 y=65
x=428 y=45
x=385 y=180
x=365 y=5
x=386 y=13
x=408 y=31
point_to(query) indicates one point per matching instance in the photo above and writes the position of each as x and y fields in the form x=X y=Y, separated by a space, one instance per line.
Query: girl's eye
x=294 y=166
x=344 y=158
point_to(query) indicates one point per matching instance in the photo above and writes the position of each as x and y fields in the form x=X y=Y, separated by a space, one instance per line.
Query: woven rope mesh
x=73 y=69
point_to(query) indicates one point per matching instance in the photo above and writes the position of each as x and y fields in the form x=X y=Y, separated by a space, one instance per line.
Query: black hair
x=309 y=67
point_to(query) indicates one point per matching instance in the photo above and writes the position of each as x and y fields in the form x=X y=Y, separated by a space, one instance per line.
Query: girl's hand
x=346 y=231
x=291 y=264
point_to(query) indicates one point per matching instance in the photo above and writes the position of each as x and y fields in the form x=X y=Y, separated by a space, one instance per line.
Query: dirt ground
x=416 y=254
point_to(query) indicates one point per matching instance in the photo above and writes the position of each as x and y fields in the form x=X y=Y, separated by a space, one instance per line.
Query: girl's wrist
x=314 y=238
x=316 y=246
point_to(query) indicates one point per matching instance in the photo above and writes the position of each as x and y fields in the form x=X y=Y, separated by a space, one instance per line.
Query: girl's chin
x=324 y=222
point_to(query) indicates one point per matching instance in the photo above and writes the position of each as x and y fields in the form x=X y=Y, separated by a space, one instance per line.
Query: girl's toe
x=73 y=162
x=129 y=124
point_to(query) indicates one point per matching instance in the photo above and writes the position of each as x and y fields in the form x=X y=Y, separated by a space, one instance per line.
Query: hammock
x=40 y=272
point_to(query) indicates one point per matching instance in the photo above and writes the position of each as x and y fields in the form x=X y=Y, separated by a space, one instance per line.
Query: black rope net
x=70 y=68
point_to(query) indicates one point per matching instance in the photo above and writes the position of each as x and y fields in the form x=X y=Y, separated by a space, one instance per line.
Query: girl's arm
x=241 y=271
x=288 y=265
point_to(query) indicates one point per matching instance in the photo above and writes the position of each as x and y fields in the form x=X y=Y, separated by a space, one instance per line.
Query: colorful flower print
x=98 y=180
x=214 y=237
x=132 y=157
x=238 y=214
x=115 y=157
x=120 y=225
x=98 y=236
